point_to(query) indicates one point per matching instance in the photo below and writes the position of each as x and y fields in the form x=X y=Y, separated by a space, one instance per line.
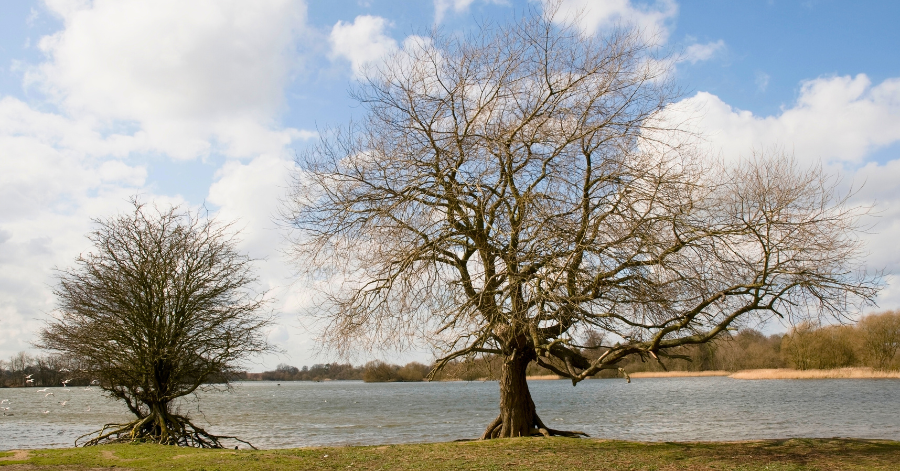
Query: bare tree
x=509 y=192
x=163 y=305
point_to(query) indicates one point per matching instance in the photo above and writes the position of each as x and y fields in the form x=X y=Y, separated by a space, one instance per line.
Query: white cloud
x=362 y=42
x=703 y=52
x=838 y=121
x=188 y=73
x=126 y=79
x=591 y=16
x=835 y=119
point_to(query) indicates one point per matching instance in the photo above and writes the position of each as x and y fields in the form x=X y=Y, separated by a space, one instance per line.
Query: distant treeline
x=23 y=369
x=873 y=342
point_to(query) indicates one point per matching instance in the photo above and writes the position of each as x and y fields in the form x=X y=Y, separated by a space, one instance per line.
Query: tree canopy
x=510 y=191
x=163 y=304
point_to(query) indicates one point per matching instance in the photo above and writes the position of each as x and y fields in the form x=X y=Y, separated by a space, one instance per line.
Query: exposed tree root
x=162 y=428
x=495 y=430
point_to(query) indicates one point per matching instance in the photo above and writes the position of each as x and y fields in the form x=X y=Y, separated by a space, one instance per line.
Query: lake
x=300 y=414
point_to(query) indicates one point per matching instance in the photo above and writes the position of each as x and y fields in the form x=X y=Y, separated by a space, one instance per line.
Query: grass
x=521 y=454
x=837 y=373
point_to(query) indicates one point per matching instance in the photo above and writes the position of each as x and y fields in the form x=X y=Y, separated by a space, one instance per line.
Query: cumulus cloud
x=839 y=122
x=590 y=16
x=835 y=119
x=123 y=80
x=189 y=74
x=362 y=42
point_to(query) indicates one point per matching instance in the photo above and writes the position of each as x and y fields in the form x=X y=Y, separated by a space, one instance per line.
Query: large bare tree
x=509 y=192
x=161 y=306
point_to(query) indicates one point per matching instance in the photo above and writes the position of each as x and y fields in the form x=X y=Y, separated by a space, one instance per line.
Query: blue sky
x=206 y=102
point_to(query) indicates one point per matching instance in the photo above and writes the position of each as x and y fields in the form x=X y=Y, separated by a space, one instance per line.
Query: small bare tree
x=510 y=192
x=162 y=306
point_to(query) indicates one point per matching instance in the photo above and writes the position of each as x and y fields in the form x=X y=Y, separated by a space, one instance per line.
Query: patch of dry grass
x=837 y=373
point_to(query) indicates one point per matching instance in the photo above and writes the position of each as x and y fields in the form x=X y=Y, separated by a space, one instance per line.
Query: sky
x=206 y=103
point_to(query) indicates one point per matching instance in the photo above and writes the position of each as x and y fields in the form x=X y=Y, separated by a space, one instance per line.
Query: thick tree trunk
x=516 y=407
x=518 y=417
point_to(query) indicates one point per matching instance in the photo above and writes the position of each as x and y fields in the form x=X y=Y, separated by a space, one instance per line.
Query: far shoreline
x=760 y=374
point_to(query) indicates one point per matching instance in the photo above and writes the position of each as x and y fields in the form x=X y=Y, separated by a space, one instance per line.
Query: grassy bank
x=525 y=454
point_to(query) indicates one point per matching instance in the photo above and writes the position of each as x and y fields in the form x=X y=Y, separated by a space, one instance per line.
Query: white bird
x=66 y=382
x=4 y=408
x=63 y=403
x=95 y=382
x=46 y=412
x=5 y=401
x=88 y=388
x=48 y=394
x=29 y=376
x=29 y=380
x=42 y=390
x=88 y=409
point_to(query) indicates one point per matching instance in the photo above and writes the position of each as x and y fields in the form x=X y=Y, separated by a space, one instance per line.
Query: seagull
x=63 y=403
x=88 y=409
x=29 y=380
x=48 y=394
x=46 y=412
x=5 y=401
x=66 y=382
x=95 y=382
x=4 y=408
x=29 y=376
x=42 y=390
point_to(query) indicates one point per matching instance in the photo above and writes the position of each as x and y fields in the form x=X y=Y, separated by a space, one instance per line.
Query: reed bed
x=837 y=373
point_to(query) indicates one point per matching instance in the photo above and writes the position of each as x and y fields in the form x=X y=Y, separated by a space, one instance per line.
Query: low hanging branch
x=162 y=306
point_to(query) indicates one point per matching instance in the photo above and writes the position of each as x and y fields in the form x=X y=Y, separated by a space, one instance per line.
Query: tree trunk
x=518 y=417
x=517 y=412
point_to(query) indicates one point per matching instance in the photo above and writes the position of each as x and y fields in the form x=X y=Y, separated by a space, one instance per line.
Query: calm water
x=299 y=414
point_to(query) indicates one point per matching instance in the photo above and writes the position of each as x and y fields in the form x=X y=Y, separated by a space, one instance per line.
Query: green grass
x=520 y=454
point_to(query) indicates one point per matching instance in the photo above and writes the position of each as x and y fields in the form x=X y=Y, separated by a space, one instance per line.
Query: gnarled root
x=158 y=427
x=495 y=429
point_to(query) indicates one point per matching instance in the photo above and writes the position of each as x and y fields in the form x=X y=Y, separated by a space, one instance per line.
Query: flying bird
x=42 y=390
x=63 y=403
x=48 y=394
x=46 y=412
